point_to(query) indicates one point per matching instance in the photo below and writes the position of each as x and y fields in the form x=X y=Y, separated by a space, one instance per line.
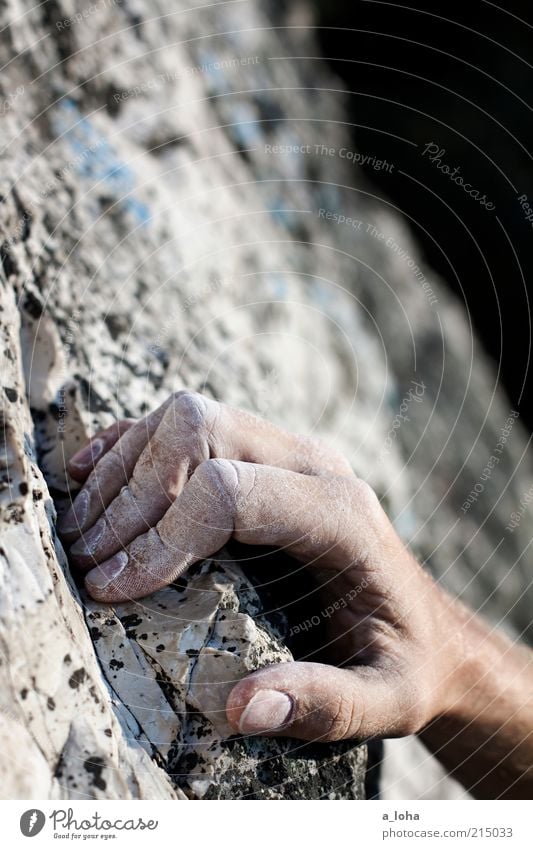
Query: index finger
x=110 y=474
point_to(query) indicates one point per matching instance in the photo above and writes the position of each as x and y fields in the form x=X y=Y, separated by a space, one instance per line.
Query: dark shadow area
x=443 y=93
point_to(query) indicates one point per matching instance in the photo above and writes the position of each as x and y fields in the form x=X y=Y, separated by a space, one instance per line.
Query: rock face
x=117 y=290
x=180 y=208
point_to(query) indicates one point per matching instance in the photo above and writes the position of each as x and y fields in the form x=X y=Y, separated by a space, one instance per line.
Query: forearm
x=484 y=737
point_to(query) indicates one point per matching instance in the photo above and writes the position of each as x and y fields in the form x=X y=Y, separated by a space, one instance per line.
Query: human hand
x=173 y=488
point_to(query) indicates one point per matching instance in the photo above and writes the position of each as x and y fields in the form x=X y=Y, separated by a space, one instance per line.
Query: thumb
x=313 y=701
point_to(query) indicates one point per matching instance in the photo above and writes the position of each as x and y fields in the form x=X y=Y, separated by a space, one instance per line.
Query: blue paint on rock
x=95 y=160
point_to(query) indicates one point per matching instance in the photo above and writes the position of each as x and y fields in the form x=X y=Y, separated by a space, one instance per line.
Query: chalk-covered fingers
x=315 y=519
x=178 y=444
x=135 y=481
x=114 y=467
x=190 y=430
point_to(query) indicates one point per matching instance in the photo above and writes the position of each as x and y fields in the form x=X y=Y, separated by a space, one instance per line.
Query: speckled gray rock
x=106 y=286
x=173 y=192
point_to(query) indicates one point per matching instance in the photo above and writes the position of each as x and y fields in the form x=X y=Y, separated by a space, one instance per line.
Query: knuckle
x=411 y=721
x=190 y=422
x=411 y=699
x=191 y=407
x=364 y=496
x=219 y=478
x=354 y=493
x=322 y=458
x=341 y=463
x=341 y=719
x=336 y=459
x=413 y=708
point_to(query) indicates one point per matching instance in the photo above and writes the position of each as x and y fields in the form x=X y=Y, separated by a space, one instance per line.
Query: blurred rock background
x=460 y=76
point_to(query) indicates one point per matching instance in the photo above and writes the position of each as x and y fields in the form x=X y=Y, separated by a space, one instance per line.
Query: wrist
x=460 y=658
x=477 y=663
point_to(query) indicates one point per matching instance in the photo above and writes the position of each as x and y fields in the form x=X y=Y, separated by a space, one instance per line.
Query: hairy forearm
x=484 y=737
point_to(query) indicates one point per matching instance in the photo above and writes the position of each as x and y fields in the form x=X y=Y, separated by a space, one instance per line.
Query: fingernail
x=266 y=711
x=90 y=539
x=76 y=517
x=108 y=571
x=88 y=455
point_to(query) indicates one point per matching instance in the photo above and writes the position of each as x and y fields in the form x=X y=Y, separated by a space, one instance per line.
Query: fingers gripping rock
x=257 y=504
x=157 y=476
x=198 y=524
x=317 y=702
x=183 y=435
x=113 y=470
x=204 y=515
x=143 y=467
